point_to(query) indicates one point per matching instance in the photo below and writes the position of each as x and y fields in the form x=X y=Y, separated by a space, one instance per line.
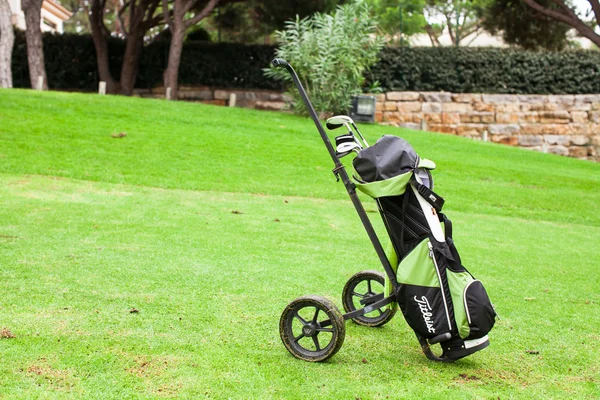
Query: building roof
x=53 y=7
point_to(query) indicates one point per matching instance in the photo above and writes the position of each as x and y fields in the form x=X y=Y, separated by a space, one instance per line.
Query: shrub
x=487 y=70
x=330 y=53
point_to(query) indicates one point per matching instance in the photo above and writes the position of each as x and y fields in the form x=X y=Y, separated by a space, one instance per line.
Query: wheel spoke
x=380 y=312
x=299 y=317
x=362 y=296
x=317 y=309
x=369 y=286
x=296 y=339
x=316 y=342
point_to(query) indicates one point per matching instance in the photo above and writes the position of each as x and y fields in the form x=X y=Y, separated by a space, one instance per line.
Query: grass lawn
x=156 y=265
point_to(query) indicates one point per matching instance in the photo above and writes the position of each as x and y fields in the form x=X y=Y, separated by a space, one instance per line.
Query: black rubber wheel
x=312 y=328
x=363 y=285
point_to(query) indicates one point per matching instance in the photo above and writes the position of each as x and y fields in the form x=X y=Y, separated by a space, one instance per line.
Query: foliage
x=275 y=13
x=487 y=70
x=209 y=220
x=520 y=25
x=459 y=17
x=331 y=54
x=399 y=19
x=228 y=65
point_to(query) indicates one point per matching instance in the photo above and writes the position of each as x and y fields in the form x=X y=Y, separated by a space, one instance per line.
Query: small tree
x=330 y=54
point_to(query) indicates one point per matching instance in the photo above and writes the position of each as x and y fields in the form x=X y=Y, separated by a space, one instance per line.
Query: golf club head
x=343 y=149
x=338 y=121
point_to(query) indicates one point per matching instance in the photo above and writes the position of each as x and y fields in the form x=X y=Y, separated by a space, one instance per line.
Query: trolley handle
x=280 y=62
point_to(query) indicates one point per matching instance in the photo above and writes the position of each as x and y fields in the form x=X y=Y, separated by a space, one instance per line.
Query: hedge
x=71 y=65
x=487 y=70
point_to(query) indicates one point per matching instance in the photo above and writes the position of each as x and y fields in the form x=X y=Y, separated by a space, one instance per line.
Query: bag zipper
x=437 y=270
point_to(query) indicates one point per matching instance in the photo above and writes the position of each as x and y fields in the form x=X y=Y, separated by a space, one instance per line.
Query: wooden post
x=40 y=83
x=232 y=99
x=168 y=93
x=102 y=88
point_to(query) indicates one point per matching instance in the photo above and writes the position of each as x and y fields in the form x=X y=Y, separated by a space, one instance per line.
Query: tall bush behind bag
x=331 y=53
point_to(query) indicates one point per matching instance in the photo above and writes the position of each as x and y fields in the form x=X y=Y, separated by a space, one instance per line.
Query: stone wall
x=568 y=125
x=259 y=99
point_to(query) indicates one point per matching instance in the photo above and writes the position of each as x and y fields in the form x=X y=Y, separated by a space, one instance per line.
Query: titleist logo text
x=425 y=308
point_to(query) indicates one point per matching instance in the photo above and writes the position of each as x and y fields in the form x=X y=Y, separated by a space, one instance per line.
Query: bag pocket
x=481 y=315
x=424 y=310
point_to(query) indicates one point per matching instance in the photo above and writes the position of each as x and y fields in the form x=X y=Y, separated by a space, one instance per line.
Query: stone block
x=378 y=116
x=581 y=129
x=379 y=98
x=410 y=125
x=500 y=98
x=504 y=129
x=450 y=118
x=466 y=97
x=471 y=130
x=580 y=117
x=555 y=117
x=409 y=106
x=595 y=116
x=270 y=105
x=443 y=128
x=221 y=95
x=554 y=129
x=553 y=107
x=483 y=107
x=587 y=98
x=456 y=108
x=380 y=106
x=436 y=97
x=532 y=129
x=528 y=117
x=530 y=140
x=390 y=106
x=508 y=108
x=507 y=118
x=557 y=140
x=579 y=140
x=566 y=99
x=531 y=98
x=402 y=96
x=595 y=140
x=508 y=140
x=560 y=150
x=433 y=118
x=391 y=116
x=578 y=151
x=596 y=106
x=432 y=107
x=580 y=107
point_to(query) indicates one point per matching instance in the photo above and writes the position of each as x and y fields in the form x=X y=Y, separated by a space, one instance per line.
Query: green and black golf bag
x=441 y=301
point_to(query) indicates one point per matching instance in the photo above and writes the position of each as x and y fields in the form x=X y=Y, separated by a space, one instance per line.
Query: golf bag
x=441 y=301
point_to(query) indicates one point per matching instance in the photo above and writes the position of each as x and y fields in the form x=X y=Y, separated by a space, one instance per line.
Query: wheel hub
x=311 y=329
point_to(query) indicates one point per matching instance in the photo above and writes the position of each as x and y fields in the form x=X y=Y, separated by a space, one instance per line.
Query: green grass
x=210 y=220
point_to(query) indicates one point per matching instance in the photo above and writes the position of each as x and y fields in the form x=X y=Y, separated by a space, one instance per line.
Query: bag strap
x=429 y=195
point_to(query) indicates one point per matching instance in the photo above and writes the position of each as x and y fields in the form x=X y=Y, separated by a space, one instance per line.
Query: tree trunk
x=172 y=71
x=7 y=39
x=101 y=45
x=131 y=61
x=35 y=47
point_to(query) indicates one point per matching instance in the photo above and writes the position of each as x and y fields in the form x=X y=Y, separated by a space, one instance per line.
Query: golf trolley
x=424 y=277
